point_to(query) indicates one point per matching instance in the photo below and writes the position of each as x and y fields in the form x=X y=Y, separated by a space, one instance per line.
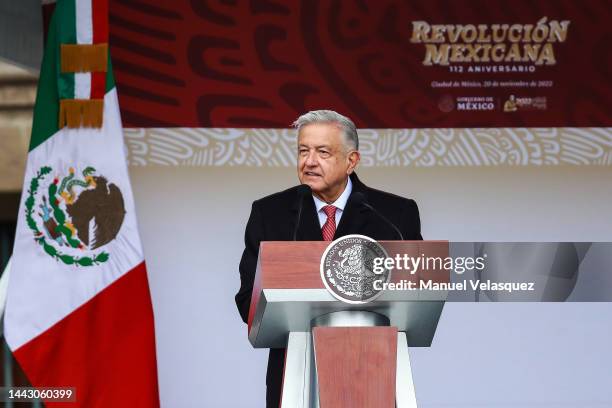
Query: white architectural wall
x=484 y=355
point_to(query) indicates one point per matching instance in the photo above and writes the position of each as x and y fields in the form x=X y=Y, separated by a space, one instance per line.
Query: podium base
x=368 y=348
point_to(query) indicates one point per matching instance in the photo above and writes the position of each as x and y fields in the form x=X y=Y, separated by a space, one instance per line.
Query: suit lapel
x=309 y=228
x=355 y=217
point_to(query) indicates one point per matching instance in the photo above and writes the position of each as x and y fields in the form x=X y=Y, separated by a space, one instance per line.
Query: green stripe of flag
x=65 y=11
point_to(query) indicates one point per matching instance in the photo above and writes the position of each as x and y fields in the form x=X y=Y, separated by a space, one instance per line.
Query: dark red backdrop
x=260 y=63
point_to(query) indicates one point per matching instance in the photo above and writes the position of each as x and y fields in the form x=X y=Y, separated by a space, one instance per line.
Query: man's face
x=323 y=161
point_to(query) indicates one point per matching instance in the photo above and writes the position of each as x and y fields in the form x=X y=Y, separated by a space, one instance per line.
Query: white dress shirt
x=340 y=203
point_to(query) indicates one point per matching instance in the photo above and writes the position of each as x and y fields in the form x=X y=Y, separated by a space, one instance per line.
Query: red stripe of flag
x=100 y=35
x=105 y=349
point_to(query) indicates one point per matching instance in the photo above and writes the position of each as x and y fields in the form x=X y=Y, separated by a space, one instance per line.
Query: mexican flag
x=79 y=311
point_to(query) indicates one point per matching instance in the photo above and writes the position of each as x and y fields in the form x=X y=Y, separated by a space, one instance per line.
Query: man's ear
x=353 y=160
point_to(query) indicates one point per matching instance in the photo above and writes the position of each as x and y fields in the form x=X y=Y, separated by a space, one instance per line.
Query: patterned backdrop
x=379 y=147
x=260 y=63
x=217 y=82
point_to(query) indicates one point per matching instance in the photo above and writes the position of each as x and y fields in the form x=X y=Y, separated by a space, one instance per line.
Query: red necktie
x=329 y=228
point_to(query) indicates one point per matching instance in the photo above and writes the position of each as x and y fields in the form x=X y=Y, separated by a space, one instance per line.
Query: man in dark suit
x=340 y=204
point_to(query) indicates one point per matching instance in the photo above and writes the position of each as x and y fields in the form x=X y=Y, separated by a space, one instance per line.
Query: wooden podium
x=341 y=354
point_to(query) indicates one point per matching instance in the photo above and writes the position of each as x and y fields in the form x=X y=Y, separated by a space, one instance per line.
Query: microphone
x=359 y=198
x=303 y=190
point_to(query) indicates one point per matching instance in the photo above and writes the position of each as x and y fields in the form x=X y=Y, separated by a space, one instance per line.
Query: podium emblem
x=347 y=269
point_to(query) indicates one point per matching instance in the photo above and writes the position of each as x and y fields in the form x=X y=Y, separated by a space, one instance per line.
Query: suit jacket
x=273 y=218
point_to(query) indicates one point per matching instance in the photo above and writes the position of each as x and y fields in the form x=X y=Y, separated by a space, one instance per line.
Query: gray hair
x=329 y=116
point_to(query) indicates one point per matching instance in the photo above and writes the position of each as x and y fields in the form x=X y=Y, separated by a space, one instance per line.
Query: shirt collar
x=340 y=202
